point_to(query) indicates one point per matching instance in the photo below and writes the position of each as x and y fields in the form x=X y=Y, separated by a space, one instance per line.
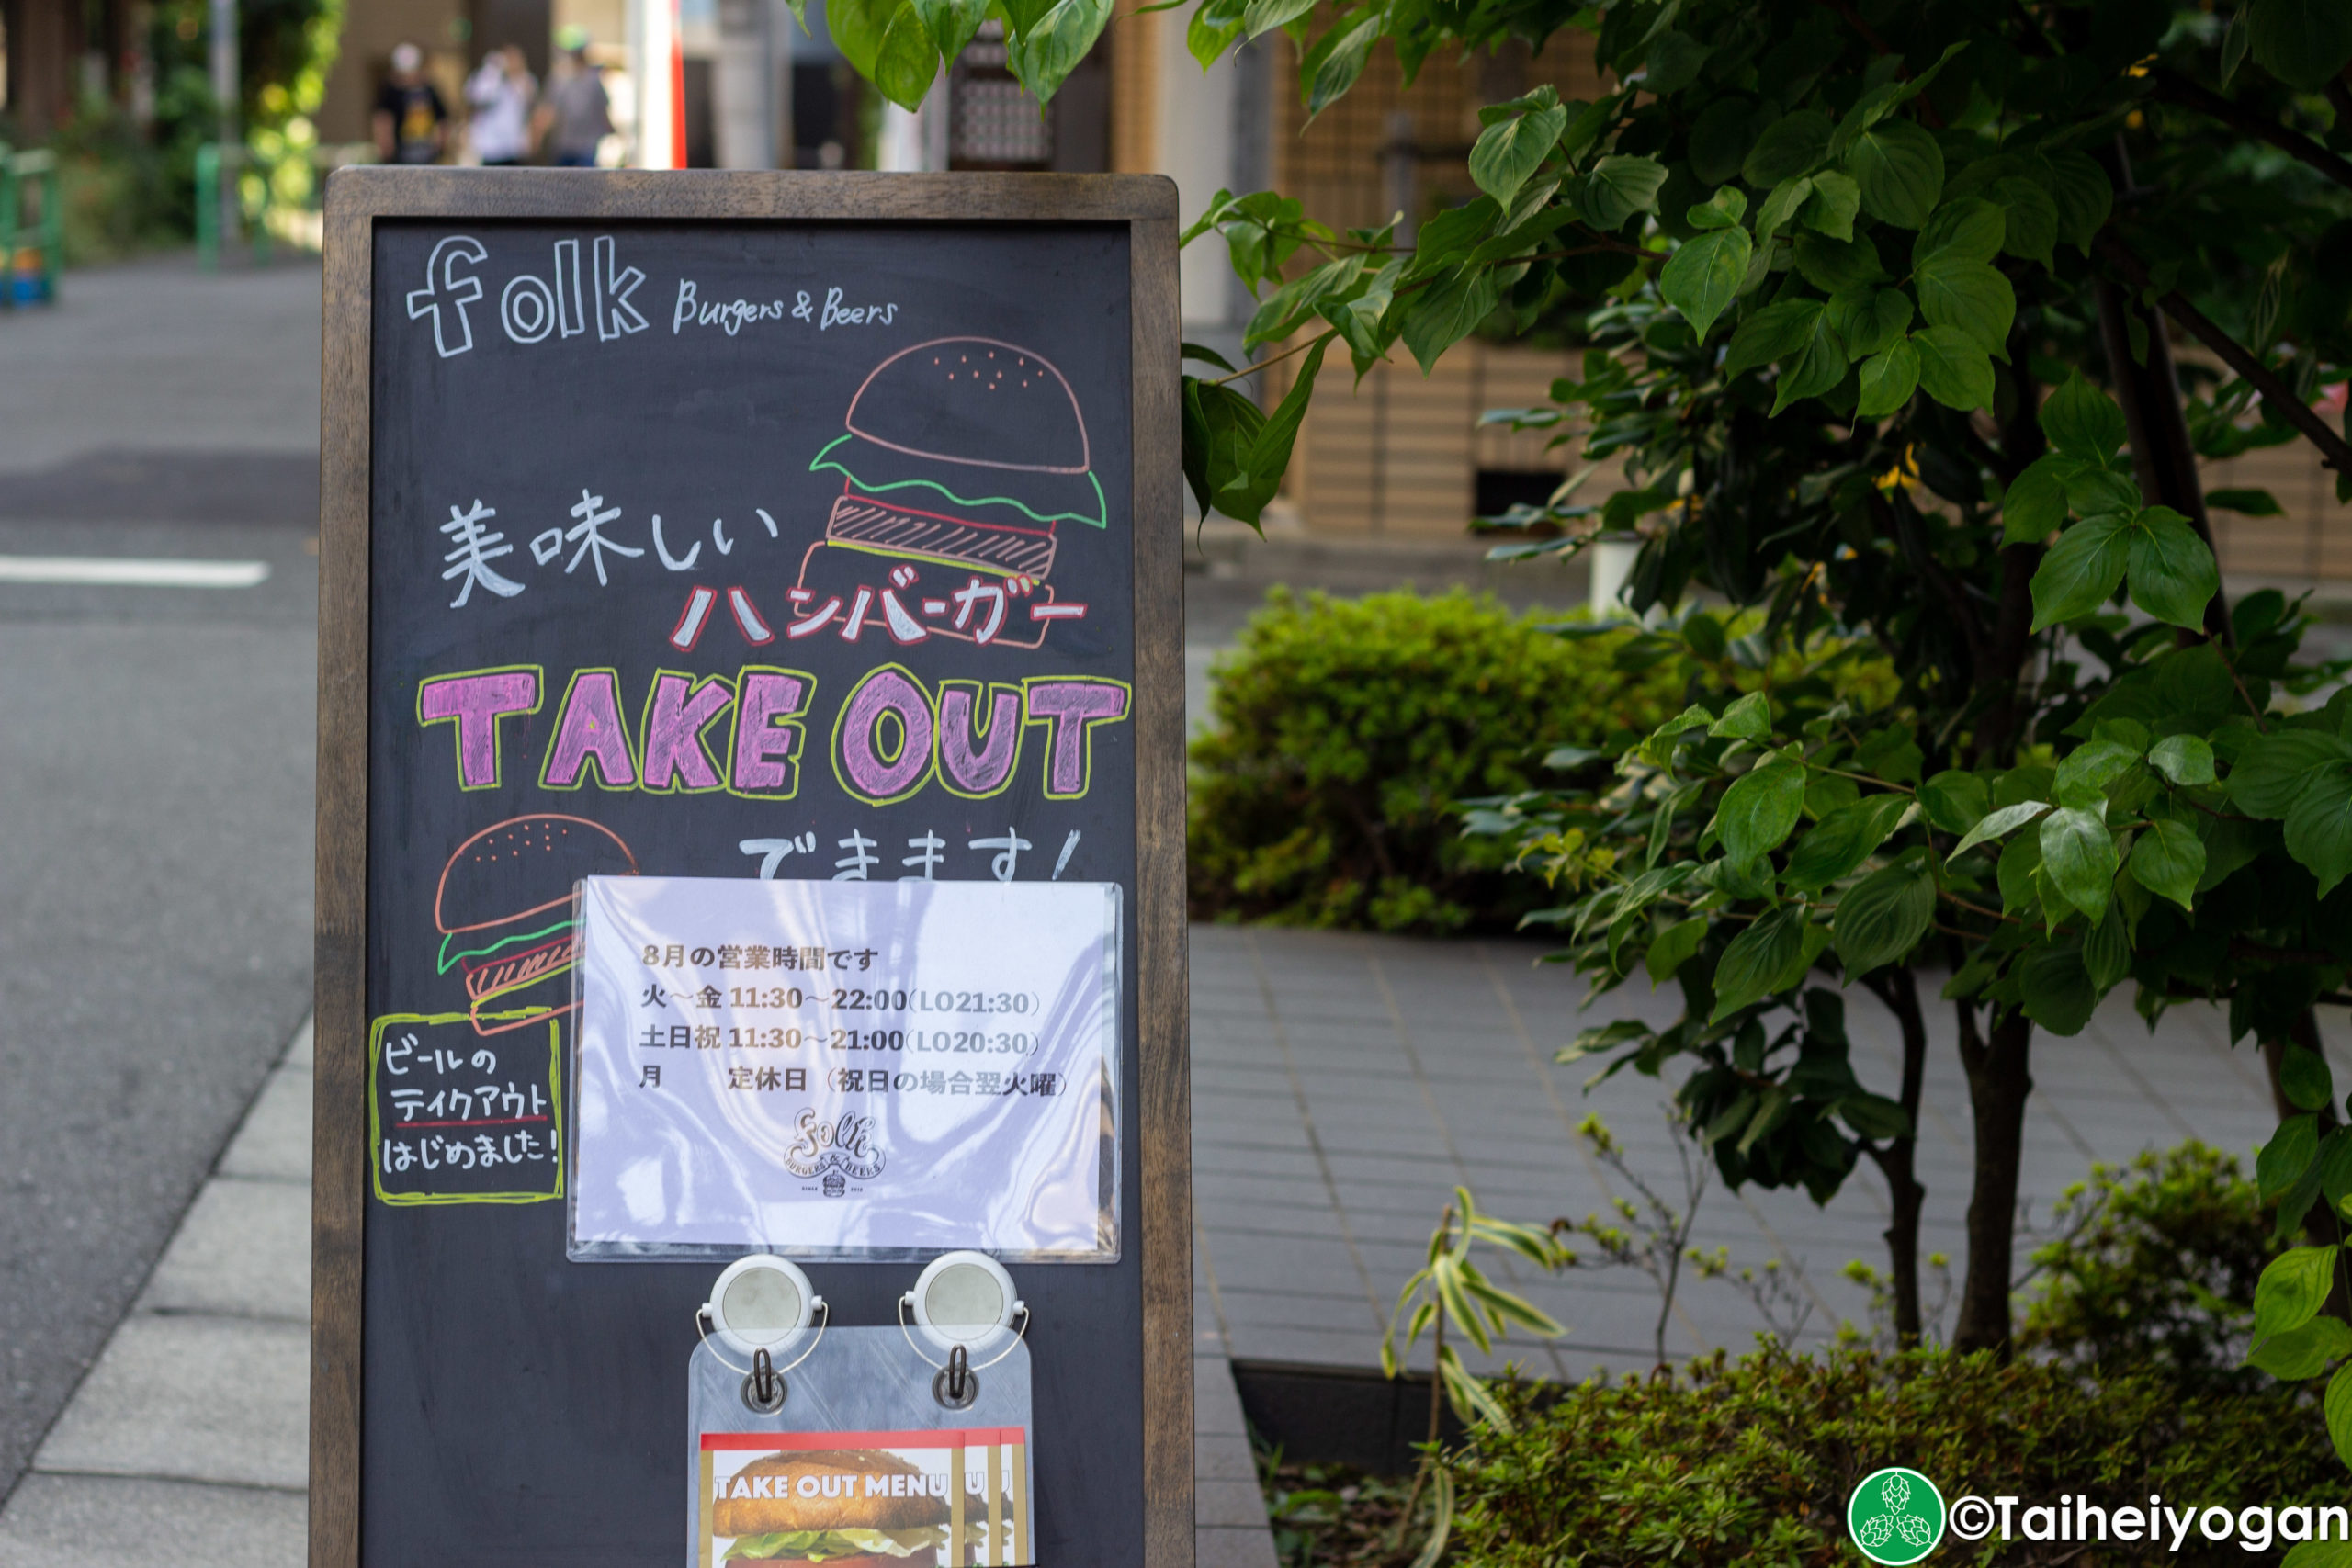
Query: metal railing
x=280 y=205
x=29 y=248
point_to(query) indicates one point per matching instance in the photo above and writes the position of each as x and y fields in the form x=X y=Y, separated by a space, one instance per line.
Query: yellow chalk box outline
x=375 y=1125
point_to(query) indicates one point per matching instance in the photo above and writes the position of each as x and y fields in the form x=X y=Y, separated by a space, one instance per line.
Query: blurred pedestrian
x=412 y=123
x=578 y=113
x=501 y=94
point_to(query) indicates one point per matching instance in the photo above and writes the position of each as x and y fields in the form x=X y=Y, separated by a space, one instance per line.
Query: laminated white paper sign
x=845 y=1069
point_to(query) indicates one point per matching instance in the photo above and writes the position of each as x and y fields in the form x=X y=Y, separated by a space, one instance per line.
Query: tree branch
x=1299 y=347
x=2275 y=394
x=2174 y=88
x=1879 y=46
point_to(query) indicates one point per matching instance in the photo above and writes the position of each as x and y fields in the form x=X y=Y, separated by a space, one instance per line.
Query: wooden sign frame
x=356 y=198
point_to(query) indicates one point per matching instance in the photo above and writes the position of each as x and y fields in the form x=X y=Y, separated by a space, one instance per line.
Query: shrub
x=2155 y=1267
x=1752 y=1462
x=1342 y=732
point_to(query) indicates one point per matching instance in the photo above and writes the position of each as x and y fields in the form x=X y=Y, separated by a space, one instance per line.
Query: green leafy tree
x=1881 y=297
x=1852 y=279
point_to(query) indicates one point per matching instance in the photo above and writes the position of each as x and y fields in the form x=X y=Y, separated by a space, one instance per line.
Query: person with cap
x=576 y=113
x=411 y=120
x=501 y=95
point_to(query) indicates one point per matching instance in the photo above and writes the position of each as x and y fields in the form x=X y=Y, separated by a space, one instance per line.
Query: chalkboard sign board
x=812 y=530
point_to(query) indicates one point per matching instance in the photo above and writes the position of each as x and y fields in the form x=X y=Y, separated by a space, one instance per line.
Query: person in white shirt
x=501 y=94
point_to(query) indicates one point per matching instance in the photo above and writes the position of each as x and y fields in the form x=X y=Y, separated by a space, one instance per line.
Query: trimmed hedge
x=1343 y=731
x=1752 y=1462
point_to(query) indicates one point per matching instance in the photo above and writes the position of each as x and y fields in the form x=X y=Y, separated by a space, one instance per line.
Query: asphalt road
x=155 y=766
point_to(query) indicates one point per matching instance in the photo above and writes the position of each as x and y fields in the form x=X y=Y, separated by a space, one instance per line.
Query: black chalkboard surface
x=698 y=545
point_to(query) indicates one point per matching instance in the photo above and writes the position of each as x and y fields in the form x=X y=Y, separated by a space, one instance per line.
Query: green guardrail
x=244 y=196
x=33 y=226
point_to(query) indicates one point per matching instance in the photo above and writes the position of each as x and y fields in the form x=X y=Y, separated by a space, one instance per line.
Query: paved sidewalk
x=189 y=1440
x=1342 y=1087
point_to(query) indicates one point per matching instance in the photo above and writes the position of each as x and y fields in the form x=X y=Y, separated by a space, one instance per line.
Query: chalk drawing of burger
x=960 y=459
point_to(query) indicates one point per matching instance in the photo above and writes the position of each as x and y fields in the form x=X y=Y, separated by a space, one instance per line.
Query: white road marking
x=118 y=572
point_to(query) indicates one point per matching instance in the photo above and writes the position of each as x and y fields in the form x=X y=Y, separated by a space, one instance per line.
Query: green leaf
x=953 y=23
x=2337 y=1408
x=1043 y=58
x=1955 y=801
x=1954 y=369
x=2106 y=949
x=1270 y=453
x=1212 y=30
x=2035 y=505
x=1842 y=841
x=1966 y=231
x=1794 y=145
x=2269 y=776
x=1672 y=948
x=2055 y=989
x=2084 y=773
x=907 y=62
x=1832 y=265
x=2319 y=827
x=856 y=27
x=2304 y=1352
x=2305 y=43
x=1835 y=201
x=1900 y=169
x=2081 y=571
x=2293 y=1290
x=1339 y=57
x=1997 y=826
x=1445 y=313
x=2247 y=503
x=1702 y=278
x=1721 y=210
x=1883 y=917
x=1868 y=321
x=1773 y=332
x=1969 y=296
x=2305 y=1079
x=1761 y=808
x=1874 y=1117
x=1262 y=17
x=2167 y=860
x=1675 y=60
x=1782 y=206
x=1620 y=187
x=2084 y=196
x=1748 y=719
x=2030 y=229
x=1220 y=430
x=2091 y=489
x=1818 y=367
x=1765 y=958
x=2080 y=857
x=2185 y=759
x=2284 y=1159
x=1889 y=377
x=2173 y=573
x=1509 y=152
x=2083 y=421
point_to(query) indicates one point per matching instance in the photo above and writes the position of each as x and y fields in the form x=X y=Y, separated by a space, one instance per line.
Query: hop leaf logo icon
x=1896 y=1517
